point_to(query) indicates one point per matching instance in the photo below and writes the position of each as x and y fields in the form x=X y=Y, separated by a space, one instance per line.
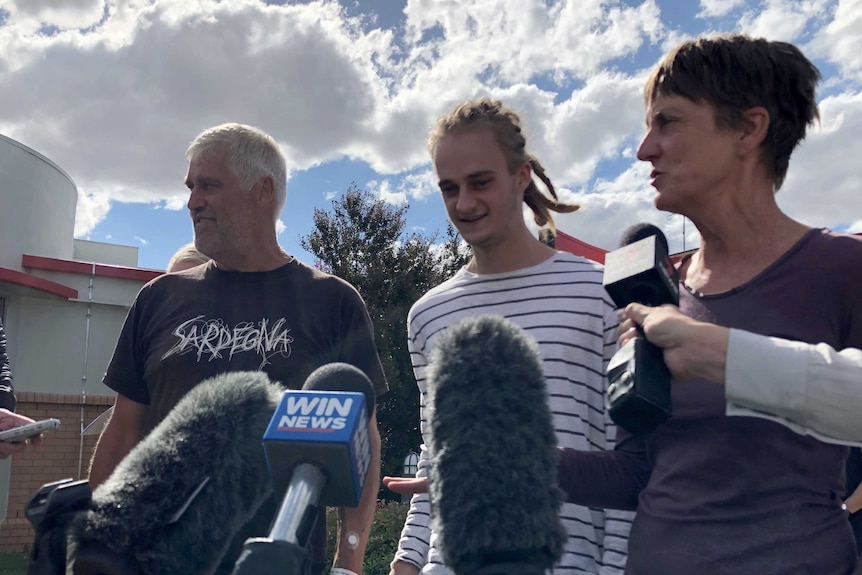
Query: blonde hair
x=188 y=254
x=506 y=126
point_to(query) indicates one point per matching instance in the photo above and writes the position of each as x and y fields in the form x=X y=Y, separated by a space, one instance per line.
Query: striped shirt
x=562 y=305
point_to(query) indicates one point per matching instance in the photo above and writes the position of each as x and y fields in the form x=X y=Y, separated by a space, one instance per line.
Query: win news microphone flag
x=325 y=423
x=319 y=451
x=493 y=475
x=177 y=500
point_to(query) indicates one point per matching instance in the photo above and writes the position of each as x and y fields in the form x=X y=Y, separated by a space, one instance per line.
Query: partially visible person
x=746 y=494
x=185 y=258
x=8 y=417
x=8 y=420
x=7 y=391
x=486 y=176
x=853 y=500
x=251 y=307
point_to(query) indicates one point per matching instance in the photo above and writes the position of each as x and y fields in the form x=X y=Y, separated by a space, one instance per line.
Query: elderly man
x=280 y=316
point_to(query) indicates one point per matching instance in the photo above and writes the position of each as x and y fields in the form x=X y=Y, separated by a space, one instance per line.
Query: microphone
x=319 y=451
x=175 y=502
x=641 y=271
x=493 y=478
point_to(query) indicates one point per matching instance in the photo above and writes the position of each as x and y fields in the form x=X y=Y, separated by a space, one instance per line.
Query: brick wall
x=63 y=453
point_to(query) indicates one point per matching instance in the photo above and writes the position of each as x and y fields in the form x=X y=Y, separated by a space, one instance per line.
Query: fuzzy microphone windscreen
x=174 y=504
x=493 y=473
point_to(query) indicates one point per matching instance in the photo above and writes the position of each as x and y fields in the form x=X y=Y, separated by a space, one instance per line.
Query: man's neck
x=258 y=261
x=501 y=259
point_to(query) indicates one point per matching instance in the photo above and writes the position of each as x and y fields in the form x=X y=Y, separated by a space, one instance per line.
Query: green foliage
x=362 y=240
x=383 y=541
x=14 y=563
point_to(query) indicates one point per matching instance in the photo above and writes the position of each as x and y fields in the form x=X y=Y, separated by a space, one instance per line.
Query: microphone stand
x=283 y=552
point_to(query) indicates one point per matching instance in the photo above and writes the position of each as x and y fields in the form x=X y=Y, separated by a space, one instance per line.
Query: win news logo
x=318 y=414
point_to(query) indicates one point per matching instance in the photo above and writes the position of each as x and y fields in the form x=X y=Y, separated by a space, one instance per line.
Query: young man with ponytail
x=485 y=176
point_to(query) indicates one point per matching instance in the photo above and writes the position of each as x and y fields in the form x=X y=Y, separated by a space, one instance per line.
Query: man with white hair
x=251 y=307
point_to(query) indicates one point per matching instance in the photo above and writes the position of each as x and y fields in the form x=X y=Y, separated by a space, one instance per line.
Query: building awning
x=89 y=268
x=26 y=282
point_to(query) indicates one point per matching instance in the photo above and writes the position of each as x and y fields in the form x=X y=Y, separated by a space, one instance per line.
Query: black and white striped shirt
x=560 y=303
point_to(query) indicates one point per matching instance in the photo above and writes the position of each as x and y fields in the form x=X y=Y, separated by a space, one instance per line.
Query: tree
x=362 y=240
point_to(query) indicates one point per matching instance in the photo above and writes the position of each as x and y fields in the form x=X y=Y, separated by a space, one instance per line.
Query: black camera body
x=639 y=392
x=50 y=511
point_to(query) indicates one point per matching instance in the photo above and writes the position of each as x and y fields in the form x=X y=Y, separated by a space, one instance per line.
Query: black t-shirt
x=186 y=327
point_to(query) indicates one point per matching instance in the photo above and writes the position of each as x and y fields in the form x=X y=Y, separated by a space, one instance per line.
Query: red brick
x=58 y=457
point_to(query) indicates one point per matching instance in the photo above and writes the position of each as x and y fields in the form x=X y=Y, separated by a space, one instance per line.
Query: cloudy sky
x=113 y=91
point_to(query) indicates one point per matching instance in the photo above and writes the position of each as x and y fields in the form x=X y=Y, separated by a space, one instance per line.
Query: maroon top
x=740 y=495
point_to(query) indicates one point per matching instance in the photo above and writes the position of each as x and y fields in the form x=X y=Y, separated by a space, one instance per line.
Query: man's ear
x=755 y=125
x=524 y=176
x=266 y=189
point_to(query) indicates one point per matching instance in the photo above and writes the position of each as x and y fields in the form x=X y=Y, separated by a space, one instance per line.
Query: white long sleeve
x=812 y=389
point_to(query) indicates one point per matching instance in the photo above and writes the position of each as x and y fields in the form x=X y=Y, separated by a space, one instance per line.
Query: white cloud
x=823 y=183
x=611 y=206
x=419 y=186
x=782 y=19
x=125 y=113
x=841 y=39
x=592 y=125
x=91 y=209
x=116 y=104
x=280 y=228
x=716 y=8
x=60 y=14
x=469 y=48
x=416 y=186
x=141 y=241
x=512 y=40
x=175 y=203
x=383 y=190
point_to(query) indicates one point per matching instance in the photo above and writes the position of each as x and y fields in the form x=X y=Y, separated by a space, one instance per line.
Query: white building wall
x=37 y=206
x=105 y=290
x=57 y=352
x=112 y=254
x=55 y=345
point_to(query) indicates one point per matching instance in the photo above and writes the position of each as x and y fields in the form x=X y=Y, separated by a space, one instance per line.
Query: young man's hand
x=406 y=485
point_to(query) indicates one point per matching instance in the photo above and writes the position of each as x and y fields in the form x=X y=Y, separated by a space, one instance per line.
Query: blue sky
x=114 y=91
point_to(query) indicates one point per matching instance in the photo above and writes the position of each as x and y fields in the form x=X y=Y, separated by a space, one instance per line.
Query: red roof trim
x=37 y=283
x=575 y=246
x=88 y=268
x=578 y=247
